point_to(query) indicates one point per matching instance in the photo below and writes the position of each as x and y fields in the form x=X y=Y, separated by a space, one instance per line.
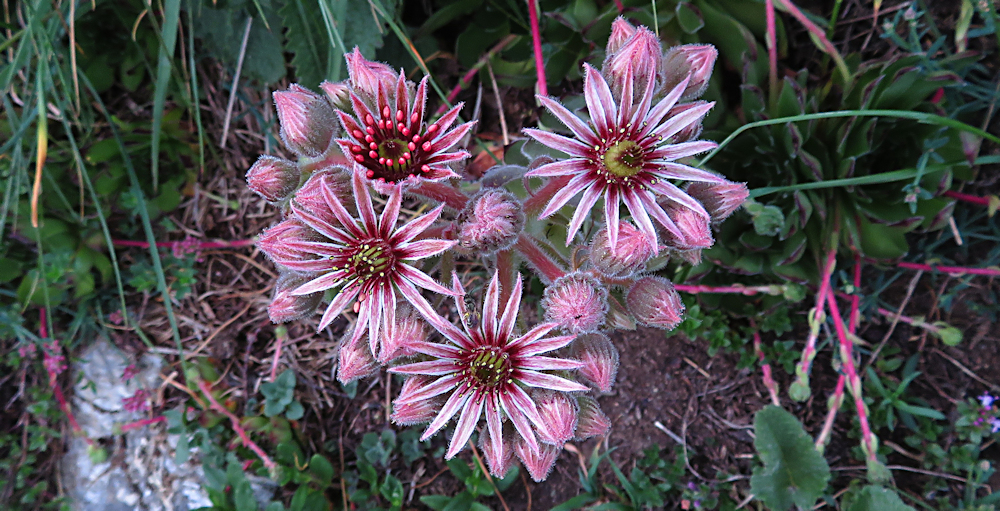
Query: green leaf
x=688 y=18
x=948 y=334
x=436 y=502
x=221 y=33
x=321 y=469
x=295 y=411
x=794 y=473
x=875 y=498
x=279 y=393
x=768 y=220
x=392 y=490
x=243 y=496
x=304 y=33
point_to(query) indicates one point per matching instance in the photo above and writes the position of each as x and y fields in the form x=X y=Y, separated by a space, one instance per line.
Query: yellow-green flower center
x=624 y=158
x=371 y=260
x=488 y=367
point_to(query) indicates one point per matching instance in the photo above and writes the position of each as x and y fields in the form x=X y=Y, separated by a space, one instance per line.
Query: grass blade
x=171 y=17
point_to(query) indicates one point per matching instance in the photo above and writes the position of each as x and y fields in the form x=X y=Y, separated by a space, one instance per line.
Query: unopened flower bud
x=407 y=412
x=285 y=306
x=692 y=61
x=539 y=463
x=366 y=76
x=692 y=130
x=719 y=199
x=272 y=178
x=577 y=302
x=634 y=62
x=307 y=120
x=355 y=360
x=628 y=256
x=692 y=257
x=338 y=94
x=499 y=456
x=653 y=301
x=695 y=231
x=558 y=412
x=592 y=421
x=490 y=222
x=332 y=182
x=599 y=357
x=283 y=244
x=406 y=330
x=621 y=31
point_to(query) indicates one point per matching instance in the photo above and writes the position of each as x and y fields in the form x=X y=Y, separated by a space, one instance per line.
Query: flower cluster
x=526 y=390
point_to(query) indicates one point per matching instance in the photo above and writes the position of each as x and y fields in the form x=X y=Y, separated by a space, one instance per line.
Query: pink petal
x=423 y=248
x=549 y=364
x=450 y=331
x=545 y=345
x=466 y=425
x=567 y=145
x=532 y=336
x=625 y=105
x=363 y=199
x=343 y=216
x=490 y=304
x=364 y=320
x=506 y=326
x=681 y=121
x=448 y=118
x=611 y=218
x=679 y=196
x=346 y=296
x=320 y=224
x=670 y=170
x=568 y=167
x=638 y=210
x=421 y=279
x=661 y=216
x=429 y=368
x=436 y=349
x=560 y=198
x=390 y=215
x=451 y=138
x=662 y=108
x=322 y=283
x=493 y=422
x=523 y=402
x=600 y=104
x=416 y=226
x=642 y=110
x=587 y=201
x=438 y=387
x=418 y=105
x=577 y=126
x=671 y=152
x=518 y=419
x=450 y=408
x=548 y=381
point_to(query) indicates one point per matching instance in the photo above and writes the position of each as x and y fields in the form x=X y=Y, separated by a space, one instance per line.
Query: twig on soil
x=250 y=444
x=966 y=370
x=141 y=423
x=236 y=81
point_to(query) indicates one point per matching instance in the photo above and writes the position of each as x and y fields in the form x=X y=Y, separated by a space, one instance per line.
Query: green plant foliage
x=794 y=472
x=220 y=27
x=279 y=396
x=876 y=498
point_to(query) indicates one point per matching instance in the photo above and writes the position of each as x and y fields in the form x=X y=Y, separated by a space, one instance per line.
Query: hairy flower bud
x=635 y=62
x=539 y=463
x=692 y=61
x=621 y=31
x=407 y=412
x=272 y=178
x=694 y=229
x=335 y=181
x=599 y=357
x=499 y=461
x=720 y=200
x=490 y=222
x=308 y=123
x=653 y=301
x=283 y=243
x=558 y=413
x=625 y=258
x=366 y=75
x=285 y=306
x=406 y=330
x=355 y=361
x=577 y=302
x=693 y=130
x=338 y=94
x=592 y=421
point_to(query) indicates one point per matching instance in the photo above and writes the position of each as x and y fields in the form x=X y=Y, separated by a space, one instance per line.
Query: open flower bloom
x=486 y=369
x=624 y=155
x=366 y=258
x=391 y=143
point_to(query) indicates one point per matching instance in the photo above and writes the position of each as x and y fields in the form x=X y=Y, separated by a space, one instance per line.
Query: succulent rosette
x=488 y=369
x=367 y=259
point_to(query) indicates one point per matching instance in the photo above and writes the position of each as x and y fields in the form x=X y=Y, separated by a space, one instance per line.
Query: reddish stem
x=735 y=289
x=621 y=8
x=772 y=386
x=547 y=267
x=533 y=205
x=856 y=298
x=809 y=353
x=442 y=193
x=836 y=400
x=204 y=245
x=468 y=76
x=951 y=270
x=50 y=369
x=203 y=385
x=507 y=269
x=972 y=199
x=280 y=335
x=142 y=423
x=536 y=40
x=771 y=40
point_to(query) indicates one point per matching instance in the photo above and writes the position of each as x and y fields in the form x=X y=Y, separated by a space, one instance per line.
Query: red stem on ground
x=834 y=403
x=964 y=197
x=202 y=245
x=853 y=380
x=772 y=386
x=43 y=333
x=142 y=423
x=547 y=267
x=271 y=466
x=468 y=76
x=536 y=40
x=951 y=270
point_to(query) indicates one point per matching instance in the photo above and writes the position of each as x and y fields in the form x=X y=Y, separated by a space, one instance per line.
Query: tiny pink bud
x=592 y=421
x=338 y=94
x=366 y=76
x=406 y=412
x=137 y=402
x=621 y=31
x=355 y=360
x=499 y=462
x=539 y=463
x=282 y=242
x=307 y=120
x=490 y=222
x=692 y=61
x=628 y=256
x=558 y=412
x=577 y=302
x=636 y=59
x=693 y=129
x=335 y=181
x=272 y=178
x=653 y=301
x=695 y=230
x=599 y=357
x=402 y=334
x=719 y=199
x=285 y=306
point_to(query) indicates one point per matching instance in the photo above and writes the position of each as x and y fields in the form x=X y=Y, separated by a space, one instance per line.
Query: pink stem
x=468 y=76
x=50 y=369
x=817 y=32
x=533 y=205
x=734 y=289
x=856 y=298
x=507 y=269
x=772 y=386
x=847 y=358
x=142 y=423
x=281 y=335
x=836 y=400
x=203 y=385
x=200 y=245
x=536 y=40
x=771 y=40
x=973 y=199
x=442 y=193
x=809 y=353
x=549 y=269
x=951 y=270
